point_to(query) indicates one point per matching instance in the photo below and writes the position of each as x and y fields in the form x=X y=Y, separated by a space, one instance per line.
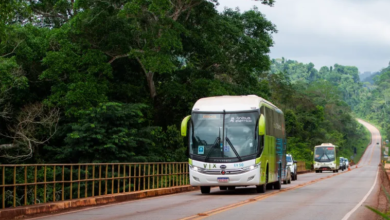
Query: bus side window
x=269 y=122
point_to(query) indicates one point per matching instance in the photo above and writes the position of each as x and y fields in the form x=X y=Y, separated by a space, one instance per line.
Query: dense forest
x=110 y=81
x=376 y=107
x=321 y=104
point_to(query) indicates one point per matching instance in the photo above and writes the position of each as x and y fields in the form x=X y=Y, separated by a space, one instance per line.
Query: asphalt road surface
x=313 y=196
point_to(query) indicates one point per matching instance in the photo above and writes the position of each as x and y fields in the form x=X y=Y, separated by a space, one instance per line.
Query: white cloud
x=325 y=32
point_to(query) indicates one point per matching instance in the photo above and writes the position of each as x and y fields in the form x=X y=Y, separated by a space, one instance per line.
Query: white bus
x=325 y=158
x=236 y=141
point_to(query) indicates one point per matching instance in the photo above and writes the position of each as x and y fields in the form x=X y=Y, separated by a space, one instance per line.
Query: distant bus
x=236 y=141
x=325 y=158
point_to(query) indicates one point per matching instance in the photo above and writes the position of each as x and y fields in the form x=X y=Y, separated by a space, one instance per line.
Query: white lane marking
x=361 y=202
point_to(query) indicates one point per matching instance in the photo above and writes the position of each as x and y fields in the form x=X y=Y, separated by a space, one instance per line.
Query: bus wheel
x=231 y=187
x=223 y=188
x=261 y=188
x=205 y=189
x=278 y=185
x=296 y=176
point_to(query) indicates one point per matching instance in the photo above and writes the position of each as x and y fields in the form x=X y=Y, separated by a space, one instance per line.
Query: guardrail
x=28 y=184
x=301 y=166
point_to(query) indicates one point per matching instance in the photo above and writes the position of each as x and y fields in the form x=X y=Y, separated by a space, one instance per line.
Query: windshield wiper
x=319 y=158
x=216 y=143
x=327 y=156
x=234 y=149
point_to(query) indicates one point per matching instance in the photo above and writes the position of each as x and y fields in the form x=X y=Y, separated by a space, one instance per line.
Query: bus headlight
x=194 y=168
x=252 y=167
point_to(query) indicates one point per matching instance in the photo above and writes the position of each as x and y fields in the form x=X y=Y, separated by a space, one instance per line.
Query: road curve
x=312 y=196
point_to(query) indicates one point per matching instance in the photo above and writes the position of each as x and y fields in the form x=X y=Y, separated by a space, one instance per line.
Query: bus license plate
x=223 y=179
x=324 y=168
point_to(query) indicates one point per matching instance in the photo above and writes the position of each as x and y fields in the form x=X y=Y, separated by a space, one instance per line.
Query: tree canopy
x=110 y=81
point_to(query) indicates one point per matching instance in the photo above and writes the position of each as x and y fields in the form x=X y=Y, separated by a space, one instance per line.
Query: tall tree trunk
x=152 y=87
x=149 y=78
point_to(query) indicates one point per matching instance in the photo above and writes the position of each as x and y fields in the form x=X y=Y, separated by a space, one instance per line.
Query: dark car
x=343 y=165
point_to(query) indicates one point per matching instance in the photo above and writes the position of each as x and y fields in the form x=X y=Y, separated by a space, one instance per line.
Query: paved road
x=312 y=196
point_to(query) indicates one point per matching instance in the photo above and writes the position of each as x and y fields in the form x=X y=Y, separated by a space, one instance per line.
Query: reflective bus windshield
x=324 y=154
x=237 y=139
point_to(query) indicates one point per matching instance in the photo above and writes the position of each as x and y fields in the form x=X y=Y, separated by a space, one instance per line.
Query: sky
x=326 y=32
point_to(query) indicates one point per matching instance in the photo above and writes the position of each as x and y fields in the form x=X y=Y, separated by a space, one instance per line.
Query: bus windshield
x=324 y=154
x=211 y=140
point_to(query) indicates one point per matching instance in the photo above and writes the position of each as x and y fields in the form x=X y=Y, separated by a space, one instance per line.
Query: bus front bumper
x=248 y=178
x=325 y=166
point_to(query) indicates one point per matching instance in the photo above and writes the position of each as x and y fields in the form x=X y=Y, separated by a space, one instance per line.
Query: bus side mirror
x=184 y=126
x=262 y=125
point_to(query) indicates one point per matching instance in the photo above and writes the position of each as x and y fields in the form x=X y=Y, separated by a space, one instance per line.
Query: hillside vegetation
x=376 y=107
x=110 y=81
x=331 y=93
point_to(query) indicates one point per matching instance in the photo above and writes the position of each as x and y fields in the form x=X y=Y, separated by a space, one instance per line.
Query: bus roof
x=326 y=144
x=231 y=103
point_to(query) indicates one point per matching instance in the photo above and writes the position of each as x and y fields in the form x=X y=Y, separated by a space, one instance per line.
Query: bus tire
x=261 y=188
x=267 y=186
x=278 y=184
x=231 y=188
x=223 y=188
x=296 y=176
x=205 y=189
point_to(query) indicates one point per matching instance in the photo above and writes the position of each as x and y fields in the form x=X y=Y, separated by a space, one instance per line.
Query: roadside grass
x=384 y=215
x=361 y=144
